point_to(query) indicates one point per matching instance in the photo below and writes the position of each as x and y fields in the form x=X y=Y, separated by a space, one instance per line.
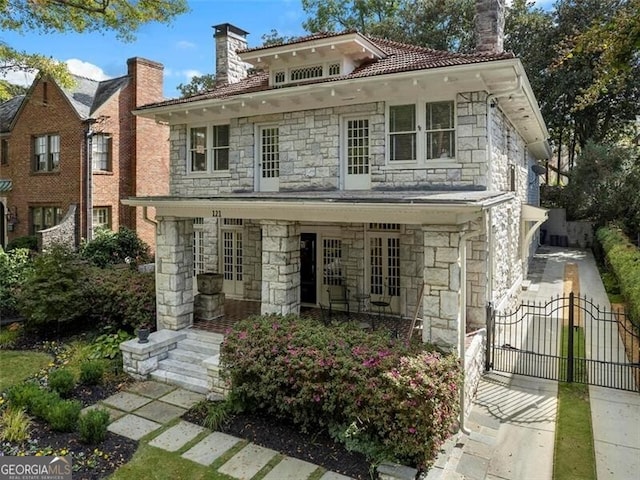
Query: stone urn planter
x=209 y=283
x=143 y=333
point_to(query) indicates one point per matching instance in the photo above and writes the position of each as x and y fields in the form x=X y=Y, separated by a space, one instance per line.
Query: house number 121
x=216 y=213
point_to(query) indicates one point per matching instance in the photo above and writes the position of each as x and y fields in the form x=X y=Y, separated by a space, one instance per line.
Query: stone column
x=174 y=273
x=442 y=285
x=280 y=267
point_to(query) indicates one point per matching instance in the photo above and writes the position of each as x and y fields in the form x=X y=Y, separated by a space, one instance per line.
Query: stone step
x=198 y=346
x=188 y=356
x=207 y=337
x=189 y=383
x=183 y=368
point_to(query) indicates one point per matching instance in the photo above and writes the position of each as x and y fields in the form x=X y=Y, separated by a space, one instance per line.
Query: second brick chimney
x=229 y=40
x=489 y=26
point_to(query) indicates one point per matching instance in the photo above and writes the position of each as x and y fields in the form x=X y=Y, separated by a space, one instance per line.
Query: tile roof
x=400 y=57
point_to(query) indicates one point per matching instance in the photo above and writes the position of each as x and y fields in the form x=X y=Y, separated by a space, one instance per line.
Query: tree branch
x=101 y=6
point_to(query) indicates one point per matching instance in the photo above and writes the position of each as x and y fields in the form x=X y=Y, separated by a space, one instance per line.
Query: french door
x=268 y=156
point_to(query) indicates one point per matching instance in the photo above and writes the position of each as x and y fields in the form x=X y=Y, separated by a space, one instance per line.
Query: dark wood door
x=308 y=287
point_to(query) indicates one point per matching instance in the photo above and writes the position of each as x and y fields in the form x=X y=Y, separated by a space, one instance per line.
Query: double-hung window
x=101 y=217
x=421 y=132
x=208 y=149
x=44 y=217
x=101 y=152
x=46 y=153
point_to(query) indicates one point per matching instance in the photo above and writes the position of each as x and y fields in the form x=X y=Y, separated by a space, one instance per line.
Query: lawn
x=17 y=365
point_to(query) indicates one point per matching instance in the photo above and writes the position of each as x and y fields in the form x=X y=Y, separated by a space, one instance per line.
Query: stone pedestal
x=208 y=307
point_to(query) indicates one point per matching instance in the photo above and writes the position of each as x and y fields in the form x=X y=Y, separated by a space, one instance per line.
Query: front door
x=268 y=159
x=308 y=284
x=355 y=156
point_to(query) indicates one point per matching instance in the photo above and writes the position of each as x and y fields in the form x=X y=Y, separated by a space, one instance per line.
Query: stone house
x=69 y=155
x=399 y=171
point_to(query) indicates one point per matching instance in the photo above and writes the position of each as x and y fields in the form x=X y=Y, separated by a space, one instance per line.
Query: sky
x=185 y=46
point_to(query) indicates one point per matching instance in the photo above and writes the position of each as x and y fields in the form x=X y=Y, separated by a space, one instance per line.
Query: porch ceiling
x=420 y=207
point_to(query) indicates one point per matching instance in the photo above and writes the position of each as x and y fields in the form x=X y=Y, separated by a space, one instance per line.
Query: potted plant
x=144 y=330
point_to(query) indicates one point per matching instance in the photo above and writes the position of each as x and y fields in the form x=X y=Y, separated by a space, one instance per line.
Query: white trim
x=259 y=184
x=209 y=172
x=421 y=161
x=343 y=122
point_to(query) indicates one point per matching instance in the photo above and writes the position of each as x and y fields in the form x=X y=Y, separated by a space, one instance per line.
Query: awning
x=418 y=207
x=534 y=214
x=5 y=185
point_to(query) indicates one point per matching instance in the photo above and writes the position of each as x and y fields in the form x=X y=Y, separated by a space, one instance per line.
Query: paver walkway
x=150 y=411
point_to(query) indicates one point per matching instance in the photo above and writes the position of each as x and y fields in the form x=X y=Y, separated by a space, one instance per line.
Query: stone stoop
x=188 y=365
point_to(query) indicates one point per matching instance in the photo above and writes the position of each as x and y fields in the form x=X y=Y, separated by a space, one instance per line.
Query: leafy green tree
x=110 y=248
x=122 y=16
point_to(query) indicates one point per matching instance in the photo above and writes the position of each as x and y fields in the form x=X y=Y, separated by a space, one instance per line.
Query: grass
x=574 y=454
x=17 y=365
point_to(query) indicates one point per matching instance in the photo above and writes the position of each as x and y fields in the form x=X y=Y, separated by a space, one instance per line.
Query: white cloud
x=192 y=73
x=18 y=77
x=86 y=69
x=184 y=44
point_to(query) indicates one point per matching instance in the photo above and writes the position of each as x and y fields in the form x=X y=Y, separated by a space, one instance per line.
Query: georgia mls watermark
x=35 y=468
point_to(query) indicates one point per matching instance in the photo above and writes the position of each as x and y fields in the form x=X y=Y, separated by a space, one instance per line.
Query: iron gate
x=567 y=339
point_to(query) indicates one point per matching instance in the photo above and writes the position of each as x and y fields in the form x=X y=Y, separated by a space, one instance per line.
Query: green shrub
x=14 y=425
x=15 y=266
x=56 y=291
x=110 y=248
x=22 y=394
x=41 y=403
x=394 y=402
x=107 y=345
x=29 y=242
x=63 y=415
x=624 y=260
x=92 y=426
x=91 y=372
x=62 y=381
x=123 y=297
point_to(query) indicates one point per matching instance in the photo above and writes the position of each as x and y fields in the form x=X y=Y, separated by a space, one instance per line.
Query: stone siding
x=309 y=143
x=280 y=267
x=62 y=234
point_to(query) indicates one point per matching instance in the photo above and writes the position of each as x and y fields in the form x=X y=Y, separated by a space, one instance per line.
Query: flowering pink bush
x=392 y=401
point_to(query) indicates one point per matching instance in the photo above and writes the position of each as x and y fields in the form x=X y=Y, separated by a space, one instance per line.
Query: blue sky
x=185 y=46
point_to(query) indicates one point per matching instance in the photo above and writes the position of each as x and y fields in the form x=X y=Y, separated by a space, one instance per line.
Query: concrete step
x=189 y=383
x=207 y=337
x=188 y=356
x=183 y=368
x=198 y=346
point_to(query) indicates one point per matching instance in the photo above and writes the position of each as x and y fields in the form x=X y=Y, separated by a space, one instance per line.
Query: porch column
x=174 y=273
x=442 y=285
x=280 y=267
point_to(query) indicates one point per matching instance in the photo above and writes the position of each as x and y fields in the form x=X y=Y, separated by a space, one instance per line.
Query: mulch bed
x=317 y=448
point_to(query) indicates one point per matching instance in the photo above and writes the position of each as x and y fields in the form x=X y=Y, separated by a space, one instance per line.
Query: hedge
x=624 y=259
x=377 y=395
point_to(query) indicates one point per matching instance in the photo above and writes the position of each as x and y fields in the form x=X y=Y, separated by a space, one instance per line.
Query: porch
x=235 y=310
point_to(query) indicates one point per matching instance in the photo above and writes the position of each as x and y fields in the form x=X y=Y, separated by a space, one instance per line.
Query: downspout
x=146 y=218
x=89 y=178
x=462 y=311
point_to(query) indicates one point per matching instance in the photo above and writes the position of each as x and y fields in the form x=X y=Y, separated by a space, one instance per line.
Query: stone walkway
x=150 y=412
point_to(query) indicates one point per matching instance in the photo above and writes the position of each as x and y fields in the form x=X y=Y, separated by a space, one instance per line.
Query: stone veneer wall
x=229 y=67
x=174 y=273
x=310 y=152
x=280 y=267
x=62 y=234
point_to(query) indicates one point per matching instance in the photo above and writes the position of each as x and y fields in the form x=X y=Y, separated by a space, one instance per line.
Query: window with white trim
x=300 y=73
x=101 y=217
x=198 y=245
x=208 y=149
x=101 y=152
x=46 y=153
x=384 y=259
x=421 y=132
x=332 y=261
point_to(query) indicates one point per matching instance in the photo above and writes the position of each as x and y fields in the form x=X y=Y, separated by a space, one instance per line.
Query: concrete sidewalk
x=513 y=419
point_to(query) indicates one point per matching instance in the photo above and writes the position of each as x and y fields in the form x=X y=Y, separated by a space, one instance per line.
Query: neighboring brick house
x=49 y=136
x=351 y=159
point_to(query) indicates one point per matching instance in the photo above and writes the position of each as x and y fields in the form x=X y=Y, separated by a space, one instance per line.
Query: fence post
x=570 y=341
x=489 y=347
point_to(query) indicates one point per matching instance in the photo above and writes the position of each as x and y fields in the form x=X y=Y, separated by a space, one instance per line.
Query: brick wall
x=62 y=188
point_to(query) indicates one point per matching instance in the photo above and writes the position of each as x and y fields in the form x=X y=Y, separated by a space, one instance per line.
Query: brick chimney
x=489 y=23
x=229 y=40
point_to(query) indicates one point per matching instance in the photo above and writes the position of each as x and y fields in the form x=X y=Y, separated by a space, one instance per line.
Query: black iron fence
x=568 y=339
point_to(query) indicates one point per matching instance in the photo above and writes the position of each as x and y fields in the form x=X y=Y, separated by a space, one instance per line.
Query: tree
x=122 y=16
x=614 y=39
